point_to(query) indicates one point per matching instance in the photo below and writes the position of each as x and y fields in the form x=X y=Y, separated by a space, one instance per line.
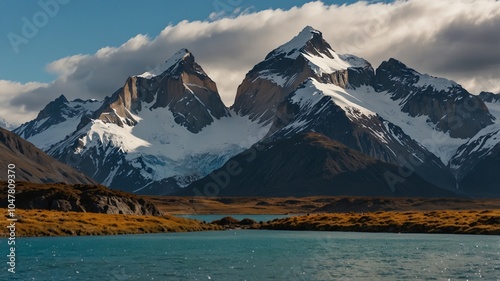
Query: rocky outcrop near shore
x=79 y=198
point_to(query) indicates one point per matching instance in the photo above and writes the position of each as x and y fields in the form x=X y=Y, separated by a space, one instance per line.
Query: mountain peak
x=309 y=40
x=53 y=107
x=61 y=99
x=183 y=55
x=489 y=97
x=394 y=64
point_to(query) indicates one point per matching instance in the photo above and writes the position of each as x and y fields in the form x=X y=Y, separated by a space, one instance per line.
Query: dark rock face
x=81 y=198
x=482 y=180
x=450 y=106
x=489 y=97
x=476 y=165
x=307 y=165
x=184 y=88
x=34 y=165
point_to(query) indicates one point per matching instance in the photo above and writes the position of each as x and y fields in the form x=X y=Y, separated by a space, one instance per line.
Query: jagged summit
x=183 y=55
x=179 y=84
x=309 y=40
x=284 y=69
x=309 y=44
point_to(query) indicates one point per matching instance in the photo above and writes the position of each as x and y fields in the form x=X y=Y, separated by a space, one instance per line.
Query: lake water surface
x=257 y=255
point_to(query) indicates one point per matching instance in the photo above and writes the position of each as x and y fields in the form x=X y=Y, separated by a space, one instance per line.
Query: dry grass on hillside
x=313 y=204
x=55 y=223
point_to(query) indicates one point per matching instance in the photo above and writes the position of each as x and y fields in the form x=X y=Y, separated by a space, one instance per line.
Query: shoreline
x=477 y=222
x=43 y=223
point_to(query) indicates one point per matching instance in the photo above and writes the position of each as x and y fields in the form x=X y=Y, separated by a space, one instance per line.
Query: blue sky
x=83 y=27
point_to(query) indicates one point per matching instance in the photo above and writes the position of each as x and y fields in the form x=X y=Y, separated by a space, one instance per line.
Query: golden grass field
x=55 y=223
x=323 y=214
x=442 y=221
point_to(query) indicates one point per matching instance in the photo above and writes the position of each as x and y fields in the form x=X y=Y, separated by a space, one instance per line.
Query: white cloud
x=15 y=113
x=454 y=39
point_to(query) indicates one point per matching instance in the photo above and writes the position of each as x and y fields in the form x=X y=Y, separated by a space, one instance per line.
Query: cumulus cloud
x=454 y=39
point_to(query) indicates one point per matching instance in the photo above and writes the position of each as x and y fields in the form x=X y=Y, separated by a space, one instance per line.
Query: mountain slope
x=477 y=162
x=306 y=165
x=349 y=116
x=32 y=164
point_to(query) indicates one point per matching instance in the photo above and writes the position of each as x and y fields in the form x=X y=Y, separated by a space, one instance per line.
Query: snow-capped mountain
x=168 y=127
x=333 y=94
x=57 y=120
x=307 y=55
x=160 y=131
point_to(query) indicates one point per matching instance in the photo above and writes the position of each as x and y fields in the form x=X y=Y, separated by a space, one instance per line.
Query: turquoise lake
x=257 y=255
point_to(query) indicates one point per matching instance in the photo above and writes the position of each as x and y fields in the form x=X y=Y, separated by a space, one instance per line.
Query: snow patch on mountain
x=169 y=139
x=439 y=84
x=321 y=64
x=164 y=149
